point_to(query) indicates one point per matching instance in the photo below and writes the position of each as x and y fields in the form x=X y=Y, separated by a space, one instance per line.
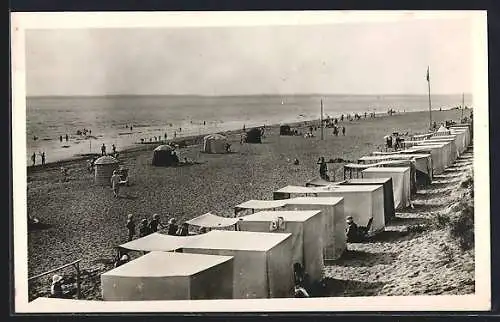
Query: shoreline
x=183 y=141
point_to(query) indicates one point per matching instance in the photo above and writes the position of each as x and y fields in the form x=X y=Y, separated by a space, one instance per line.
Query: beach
x=84 y=221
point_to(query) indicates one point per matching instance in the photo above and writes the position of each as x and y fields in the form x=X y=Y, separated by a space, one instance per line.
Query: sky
x=343 y=58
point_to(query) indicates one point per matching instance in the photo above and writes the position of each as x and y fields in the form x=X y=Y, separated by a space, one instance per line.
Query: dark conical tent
x=164 y=155
x=254 y=136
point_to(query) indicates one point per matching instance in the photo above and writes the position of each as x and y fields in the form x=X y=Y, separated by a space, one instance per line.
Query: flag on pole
x=427 y=77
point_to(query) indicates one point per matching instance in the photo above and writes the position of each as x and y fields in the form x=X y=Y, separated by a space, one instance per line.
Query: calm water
x=109 y=118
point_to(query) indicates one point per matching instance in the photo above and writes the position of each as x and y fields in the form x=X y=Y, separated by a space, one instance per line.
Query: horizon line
x=240 y=95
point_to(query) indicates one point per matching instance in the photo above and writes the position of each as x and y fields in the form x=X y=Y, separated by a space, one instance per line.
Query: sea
x=125 y=120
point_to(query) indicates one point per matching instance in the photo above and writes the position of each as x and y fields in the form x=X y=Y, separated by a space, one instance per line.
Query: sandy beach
x=84 y=221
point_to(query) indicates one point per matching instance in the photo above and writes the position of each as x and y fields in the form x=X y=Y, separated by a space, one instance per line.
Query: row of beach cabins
x=260 y=252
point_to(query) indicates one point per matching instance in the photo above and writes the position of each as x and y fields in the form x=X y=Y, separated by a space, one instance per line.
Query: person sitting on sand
x=183 y=230
x=56 y=287
x=296 y=162
x=122 y=260
x=115 y=183
x=172 y=227
x=154 y=223
x=144 y=228
x=130 y=227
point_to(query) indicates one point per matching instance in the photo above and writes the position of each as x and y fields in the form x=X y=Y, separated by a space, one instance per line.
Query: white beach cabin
x=361 y=202
x=307 y=244
x=263 y=265
x=400 y=182
x=170 y=276
x=334 y=224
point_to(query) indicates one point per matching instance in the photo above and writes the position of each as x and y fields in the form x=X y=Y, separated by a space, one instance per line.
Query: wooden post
x=429 y=90
x=322 y=136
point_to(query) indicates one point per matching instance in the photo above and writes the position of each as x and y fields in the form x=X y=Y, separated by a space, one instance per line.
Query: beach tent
x=461 y=139
x=212 y=221
x=251 y=206
x=400 y=180
x=404 y=163
x=104 y=167
x=163 y=155
x=254 y=136
x=360 y=202
x=389 y=209
x=333 y=218
x=423 y=163
x=285 y=130
x=307 y=244
x=318 y=182
x=170 y=276
x=157 y=242
x=458 y=139
x=214 y=143
x=442 y=131
x=452 y=148
x=445 y=149
x=436 y=153
x=468 y=129
x=262 y=261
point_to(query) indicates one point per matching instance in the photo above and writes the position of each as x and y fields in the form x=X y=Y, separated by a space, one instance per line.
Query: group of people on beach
x=42 y=158
x=152 y=226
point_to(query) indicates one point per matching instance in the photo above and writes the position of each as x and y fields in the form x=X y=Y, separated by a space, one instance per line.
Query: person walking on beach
x=165 y=136
x=60 y=138
x=43 y=158
x=130 y=227
x=323 y=169
x=131 y=128
x=33 y=158
x=114 y=148
x=103 y=149
x=67 y=137
x=343 y=130
x=115 y=183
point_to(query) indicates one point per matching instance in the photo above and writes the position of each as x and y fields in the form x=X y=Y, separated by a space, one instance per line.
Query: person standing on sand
x=183 y=230
x=114 y=148
x=43 y=158
x=67 y=137
x=154 y=223
x=33 y=158
x=131 y=227
x=103 y=149
x=323 y=169
x=131 y=128
x=144 y=228
x=115 y=183
x=60 y=138
x=343 y=130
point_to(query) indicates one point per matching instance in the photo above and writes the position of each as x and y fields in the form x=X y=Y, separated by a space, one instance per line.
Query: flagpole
x=321 y=119
x=463 y=106
x=430 y=104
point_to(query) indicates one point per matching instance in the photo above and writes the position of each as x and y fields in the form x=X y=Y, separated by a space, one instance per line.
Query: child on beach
x=131 y=227
x=115 y=183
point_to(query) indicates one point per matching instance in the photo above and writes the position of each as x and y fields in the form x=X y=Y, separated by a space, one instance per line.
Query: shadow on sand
x=331 y=287
x=38 y=226
x=407 y=221
x=356 y=258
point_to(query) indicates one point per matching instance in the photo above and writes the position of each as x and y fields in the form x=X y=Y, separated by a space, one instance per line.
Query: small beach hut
x=104 y=167
x=214 y=143
x=436 y=152
x=334 y=224
x=254 y=136
x=164 y=156
x=170 y=276
x=389 y=209
x=262 y=261
x=285 y=130
x=400 y=180
x=360 y=202
x=445 y=149
x=307 y=244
